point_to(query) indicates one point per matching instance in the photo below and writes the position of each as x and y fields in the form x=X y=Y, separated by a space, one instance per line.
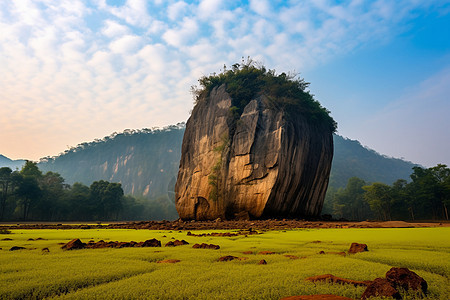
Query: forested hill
x=146 y=162
x=13 y=164
x=351 y=159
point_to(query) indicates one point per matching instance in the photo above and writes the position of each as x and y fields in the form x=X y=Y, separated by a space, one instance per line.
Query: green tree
x=5 y=186
x=430 y=189
x=79 y=203
x=51 y=205
x=349 y=202
x=379 y=197
x=28 y=192
x=107 y=198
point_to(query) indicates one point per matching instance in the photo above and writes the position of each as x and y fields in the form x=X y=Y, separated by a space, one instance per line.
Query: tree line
x=425 y=197
x=29 y=194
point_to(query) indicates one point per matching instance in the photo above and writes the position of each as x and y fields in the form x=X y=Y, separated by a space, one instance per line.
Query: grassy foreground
x=131 y=273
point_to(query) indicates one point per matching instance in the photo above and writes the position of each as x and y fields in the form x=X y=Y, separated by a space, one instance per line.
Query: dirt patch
x=317 y=297
x=168 y=261
x=245 y=227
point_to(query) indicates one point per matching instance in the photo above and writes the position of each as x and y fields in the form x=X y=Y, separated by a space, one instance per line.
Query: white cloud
x=134 y=12
x=180 y=36
x=113 y=29
x=261 y=7
x=64 y=81
x=127 y=44
x=177 y=10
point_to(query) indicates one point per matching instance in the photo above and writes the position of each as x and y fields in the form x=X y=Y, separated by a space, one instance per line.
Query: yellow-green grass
x=131 y=273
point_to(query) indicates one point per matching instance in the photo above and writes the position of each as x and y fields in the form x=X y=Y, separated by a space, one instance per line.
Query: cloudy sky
x=72 y=71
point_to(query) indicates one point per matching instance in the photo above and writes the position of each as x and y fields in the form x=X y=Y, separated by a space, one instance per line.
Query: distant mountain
x=13 y=164
x=146 y=162
x=351 y=159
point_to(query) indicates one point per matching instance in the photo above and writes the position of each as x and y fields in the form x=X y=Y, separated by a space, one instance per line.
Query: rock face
x=264 y=164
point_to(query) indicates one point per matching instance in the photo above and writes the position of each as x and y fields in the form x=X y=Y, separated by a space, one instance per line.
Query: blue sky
x=73 y=71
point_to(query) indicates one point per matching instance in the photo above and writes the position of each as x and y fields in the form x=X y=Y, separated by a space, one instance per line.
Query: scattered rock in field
x=334 y=279
x=39 y=239
x=73 y=244
x=228 y=258
x=151 y=243
x=317 y=297
x=45 y=250
x=356 y=247
x=381 y=287
x=6 y=239
x=247 y=252
x=316 y=242
x=266 y=252
x=176 y=243
x=30 y=239
x=77 y=244
x=262 y=262
x=206 y=246
x=405 y=279
x=291 y=256
x=14 y=248
x=322 y=252
x=168 y=261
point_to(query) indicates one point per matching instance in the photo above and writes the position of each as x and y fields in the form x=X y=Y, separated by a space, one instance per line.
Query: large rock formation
x=266 y=162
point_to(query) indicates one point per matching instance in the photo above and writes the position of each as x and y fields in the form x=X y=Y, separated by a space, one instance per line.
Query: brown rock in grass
x=266 y=252
x=45 y=250
x=334 y=279
x=228 y=258
x=381 y=287
x=356 y=247
x=247 y=252
x=206 y=246
x=15 y=248
x=176 y=243
x=151 y=243
x=317 y=297
x=73 y=245
x=291 y=256
x=262 y=262
x=405 y=279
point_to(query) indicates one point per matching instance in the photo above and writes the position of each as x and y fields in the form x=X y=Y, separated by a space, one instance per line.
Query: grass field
x=131 y=273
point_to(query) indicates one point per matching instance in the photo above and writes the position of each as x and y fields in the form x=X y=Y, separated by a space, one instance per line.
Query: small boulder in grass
x=15 y=248
x=381 y=287
x=405 y=279
x=206 y=246
x=262 y=262
x=151 y=243
x=73 y=245
x=357 y=247
x=176 y=243
x=228 y=258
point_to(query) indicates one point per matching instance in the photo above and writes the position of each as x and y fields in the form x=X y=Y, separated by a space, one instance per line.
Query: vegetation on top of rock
x=248 y=80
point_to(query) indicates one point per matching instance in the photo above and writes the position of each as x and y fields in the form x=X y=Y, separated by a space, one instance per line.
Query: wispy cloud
x=72 y=72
